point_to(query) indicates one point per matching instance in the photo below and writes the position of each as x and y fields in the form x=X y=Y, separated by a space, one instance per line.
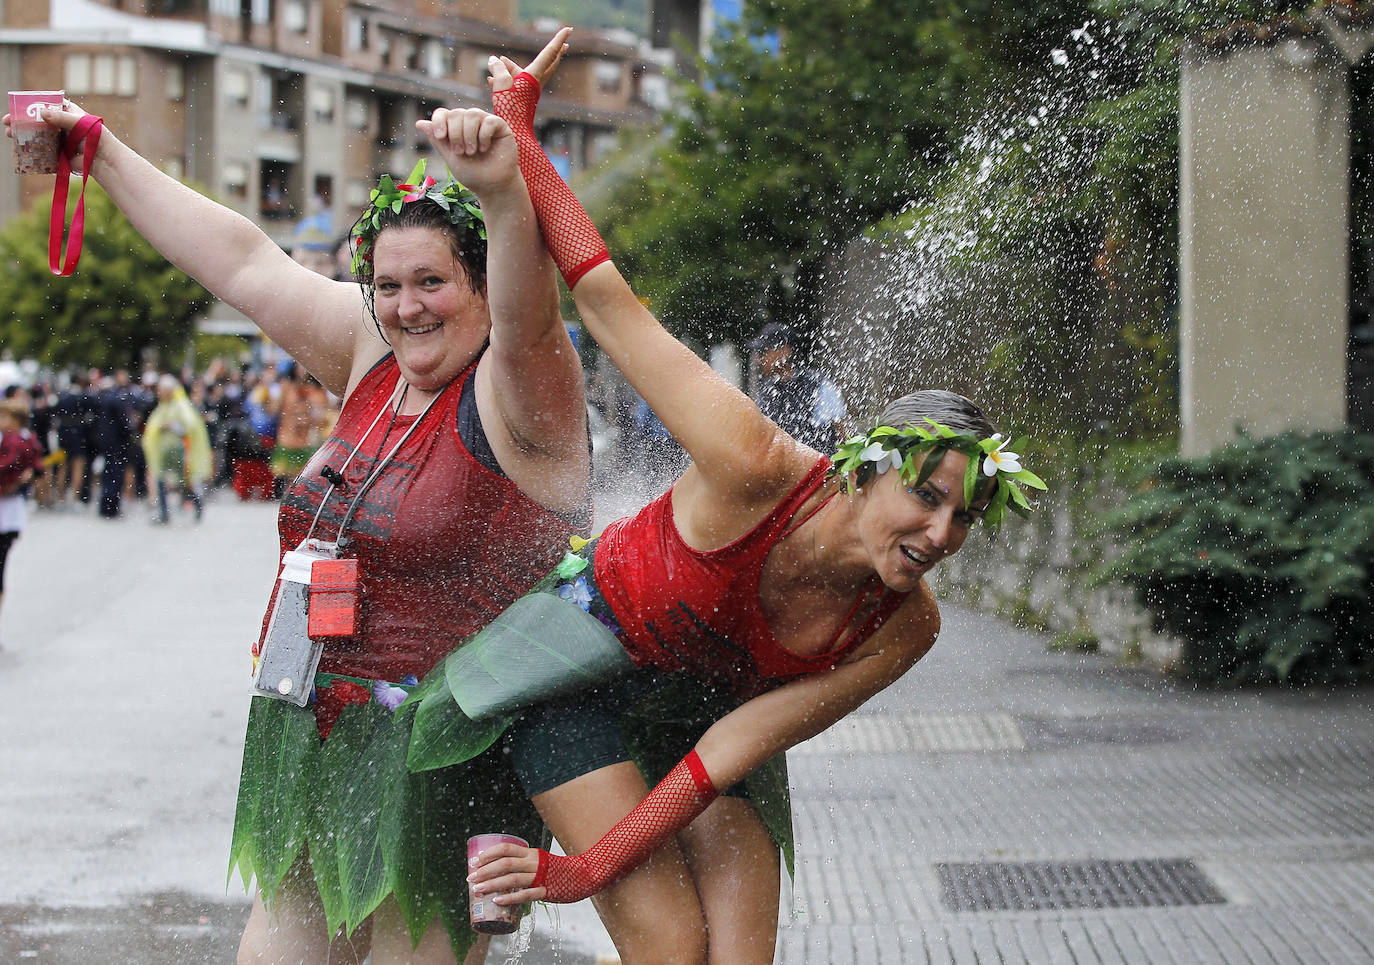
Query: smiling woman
x=457 y=469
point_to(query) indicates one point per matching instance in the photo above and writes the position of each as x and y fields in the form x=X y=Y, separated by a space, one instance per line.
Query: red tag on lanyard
x=87 y=129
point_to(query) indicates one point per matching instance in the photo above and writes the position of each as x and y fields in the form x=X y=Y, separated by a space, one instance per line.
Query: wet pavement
x=1000 y=804
x=124 y=657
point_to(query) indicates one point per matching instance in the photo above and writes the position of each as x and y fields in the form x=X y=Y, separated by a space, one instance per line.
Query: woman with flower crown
x=458 y=468
x=771 y=591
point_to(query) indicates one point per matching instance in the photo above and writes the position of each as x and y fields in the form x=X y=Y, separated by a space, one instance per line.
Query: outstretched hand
x=545 y=63
x=506 y=871
x=64 y=118
x=477 y=147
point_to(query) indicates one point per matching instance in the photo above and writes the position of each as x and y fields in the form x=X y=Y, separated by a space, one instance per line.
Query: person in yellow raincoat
x=177 y=448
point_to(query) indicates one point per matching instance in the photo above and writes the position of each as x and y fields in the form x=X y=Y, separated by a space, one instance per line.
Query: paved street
x=1001 y=804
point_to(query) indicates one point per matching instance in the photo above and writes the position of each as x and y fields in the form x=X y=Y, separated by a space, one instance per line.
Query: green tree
x=813 y=119
x=123 y=297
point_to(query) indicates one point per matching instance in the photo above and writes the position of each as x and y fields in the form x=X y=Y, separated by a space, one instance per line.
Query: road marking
x=897 y=733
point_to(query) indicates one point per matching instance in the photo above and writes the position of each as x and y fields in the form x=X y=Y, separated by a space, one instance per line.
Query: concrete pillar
x=1264 y=161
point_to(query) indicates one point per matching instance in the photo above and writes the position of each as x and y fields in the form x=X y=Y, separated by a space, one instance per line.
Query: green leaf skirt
x=386 y=804
x=370 y=826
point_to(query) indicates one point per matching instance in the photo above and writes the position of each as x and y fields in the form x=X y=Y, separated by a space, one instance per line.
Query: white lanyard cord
x=382 y=464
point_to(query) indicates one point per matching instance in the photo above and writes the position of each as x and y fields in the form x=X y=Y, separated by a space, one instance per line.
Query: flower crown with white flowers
x=457 y=201
x=903 y=449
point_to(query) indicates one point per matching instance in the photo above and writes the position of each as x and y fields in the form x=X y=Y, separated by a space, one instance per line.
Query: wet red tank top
x=682 y=609
x=444 y=543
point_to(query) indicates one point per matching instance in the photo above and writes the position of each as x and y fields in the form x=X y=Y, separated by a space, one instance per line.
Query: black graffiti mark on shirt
x=697 y=647
x=376 y=513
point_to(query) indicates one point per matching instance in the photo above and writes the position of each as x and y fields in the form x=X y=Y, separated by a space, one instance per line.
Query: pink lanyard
x=87 y=129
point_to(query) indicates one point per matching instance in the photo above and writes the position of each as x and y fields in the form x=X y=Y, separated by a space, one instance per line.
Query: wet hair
x=947 y=408
x=468 y=247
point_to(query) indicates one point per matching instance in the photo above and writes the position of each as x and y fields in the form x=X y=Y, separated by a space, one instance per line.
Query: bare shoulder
x=713 y=509
x=920 y=615
x=909 y=633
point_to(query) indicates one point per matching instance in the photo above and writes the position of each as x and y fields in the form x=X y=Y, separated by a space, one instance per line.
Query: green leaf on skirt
x=270 y=821
x=444 y=735
x=361 y=754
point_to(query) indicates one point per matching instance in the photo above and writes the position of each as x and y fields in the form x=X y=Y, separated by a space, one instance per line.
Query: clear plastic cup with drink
x=36 y=142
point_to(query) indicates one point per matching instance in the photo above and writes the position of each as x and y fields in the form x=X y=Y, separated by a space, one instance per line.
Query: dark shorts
x=644 y=716
x=72 y=442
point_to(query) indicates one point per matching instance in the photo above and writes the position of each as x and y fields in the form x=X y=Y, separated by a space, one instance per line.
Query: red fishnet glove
x=667 y=809
x=571 y=237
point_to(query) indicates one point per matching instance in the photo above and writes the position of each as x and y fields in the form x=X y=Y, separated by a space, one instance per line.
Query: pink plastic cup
x=36 y=142
x=487 y=916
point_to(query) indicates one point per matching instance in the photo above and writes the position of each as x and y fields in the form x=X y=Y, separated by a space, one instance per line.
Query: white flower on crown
x=884 y=457
x=999 y=460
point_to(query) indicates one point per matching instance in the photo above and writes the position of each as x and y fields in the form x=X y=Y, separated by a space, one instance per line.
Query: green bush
x=1259 y=558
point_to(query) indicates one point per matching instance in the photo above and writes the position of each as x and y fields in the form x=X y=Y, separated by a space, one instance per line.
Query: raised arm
x=529 y=383
x=723 y=431
x=732 y=749
x=318 y=321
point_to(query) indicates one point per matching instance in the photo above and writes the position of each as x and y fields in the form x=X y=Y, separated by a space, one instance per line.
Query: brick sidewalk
x=1007 y=805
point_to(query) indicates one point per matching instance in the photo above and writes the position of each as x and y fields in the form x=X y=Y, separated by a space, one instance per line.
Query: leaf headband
x=902 y=449
x=460 y=204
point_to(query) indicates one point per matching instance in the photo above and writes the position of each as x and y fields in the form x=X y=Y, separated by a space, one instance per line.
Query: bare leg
x=391 y=941
x=71 y=476
x=42 y=487
x=652 y=914
x=294 y=931
x=734 y=863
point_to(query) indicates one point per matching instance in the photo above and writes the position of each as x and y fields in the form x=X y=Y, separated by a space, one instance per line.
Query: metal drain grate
x=1047 y=885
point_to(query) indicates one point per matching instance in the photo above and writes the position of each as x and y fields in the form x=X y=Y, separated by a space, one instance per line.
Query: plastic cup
x=36 y=142
x=486 y=915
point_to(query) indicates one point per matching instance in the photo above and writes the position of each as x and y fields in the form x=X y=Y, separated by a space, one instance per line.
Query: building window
x=275 y=201
x=608 y=76
x=440 y=58
x=356 y=113
x=322 y=104
x=357 y=32
x=175 y=167
x=653 y=90
x=76 y=74
x=103 y=74
x=126 y=76
x=235 y=178
x=174 y=76
x=237 y=86
x=294 y=16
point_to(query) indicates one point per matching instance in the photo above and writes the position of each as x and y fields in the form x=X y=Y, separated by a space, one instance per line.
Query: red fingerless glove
x=569 y=234
x=667 y=809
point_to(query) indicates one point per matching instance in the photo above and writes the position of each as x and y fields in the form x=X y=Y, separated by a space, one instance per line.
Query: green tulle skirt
x=386 y=804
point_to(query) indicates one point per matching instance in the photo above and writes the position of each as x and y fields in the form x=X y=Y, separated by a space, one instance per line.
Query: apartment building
x=291 y=108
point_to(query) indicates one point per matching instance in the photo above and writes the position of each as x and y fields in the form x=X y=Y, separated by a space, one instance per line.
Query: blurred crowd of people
x=109 y=440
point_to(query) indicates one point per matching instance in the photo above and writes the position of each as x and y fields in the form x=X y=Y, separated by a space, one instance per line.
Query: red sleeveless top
x=682 y=609
x=444 y=543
